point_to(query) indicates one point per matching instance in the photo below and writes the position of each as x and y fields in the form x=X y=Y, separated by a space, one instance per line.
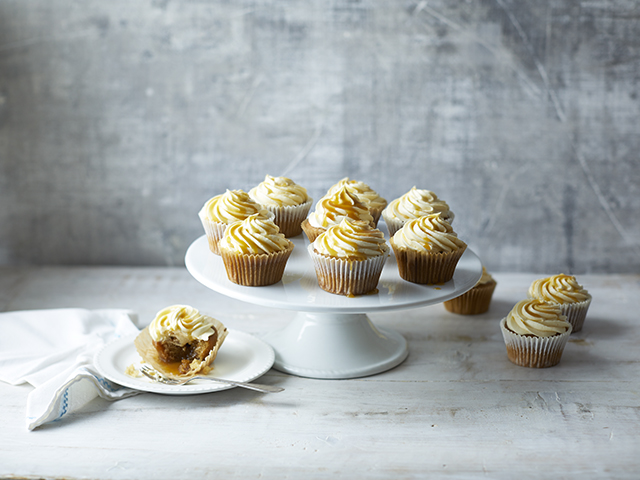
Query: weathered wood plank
x=455 y=407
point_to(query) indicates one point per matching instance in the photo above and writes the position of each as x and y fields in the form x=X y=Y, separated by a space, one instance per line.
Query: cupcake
x=254 y=252
x=535 y=334
x=331 y=209
x=565 y=291
x=476 y=300
x=427 y=250
x=348 y=258
x=365 y=194
x=225 y=209
x=181 y=342
x=414 y=204
x=287 y=200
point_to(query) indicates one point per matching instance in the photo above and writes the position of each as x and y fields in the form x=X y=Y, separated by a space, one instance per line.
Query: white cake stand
x=331 y=336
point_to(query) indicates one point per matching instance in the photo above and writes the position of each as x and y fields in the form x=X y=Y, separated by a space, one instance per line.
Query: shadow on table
x=577 y=358
x=583 y=347
x=597 y=328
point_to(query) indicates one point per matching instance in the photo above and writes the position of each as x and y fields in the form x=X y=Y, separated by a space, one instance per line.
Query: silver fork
x=158 y=377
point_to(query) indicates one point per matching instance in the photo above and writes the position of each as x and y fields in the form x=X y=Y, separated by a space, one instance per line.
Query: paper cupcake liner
x=576 y=313
x=474 y=302
x=376 y=213
x=310 y=231
x=531 y=351
x=393 y=224
x=253 y=270
x=289 y=218
x=214 y=232
x=347 y=277
x=424 y=267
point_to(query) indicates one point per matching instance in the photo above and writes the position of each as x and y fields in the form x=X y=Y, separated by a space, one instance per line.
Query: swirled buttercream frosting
x=537 y=318
x=351 y=239
x=417 y=203
x=231 y=206
x=430 y=233
x=279 y=192
x=558 y=289
x=182 y=322
x=332 y=208
x=254 y=235
x=362 y=191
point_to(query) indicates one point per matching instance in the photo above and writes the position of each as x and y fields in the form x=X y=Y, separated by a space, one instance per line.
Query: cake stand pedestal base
x=336 y=345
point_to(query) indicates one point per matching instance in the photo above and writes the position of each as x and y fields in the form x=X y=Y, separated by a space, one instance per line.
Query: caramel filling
x=178 y=357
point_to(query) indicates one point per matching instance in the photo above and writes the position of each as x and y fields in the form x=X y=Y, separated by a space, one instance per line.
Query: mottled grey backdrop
x=120 y=118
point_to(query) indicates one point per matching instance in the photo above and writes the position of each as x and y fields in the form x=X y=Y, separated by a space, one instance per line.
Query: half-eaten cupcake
x=181 y=342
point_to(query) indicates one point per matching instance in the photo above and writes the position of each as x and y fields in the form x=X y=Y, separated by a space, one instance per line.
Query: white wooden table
x=455 y=408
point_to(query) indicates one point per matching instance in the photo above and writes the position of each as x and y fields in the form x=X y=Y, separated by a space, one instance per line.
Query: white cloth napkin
x=53 y=350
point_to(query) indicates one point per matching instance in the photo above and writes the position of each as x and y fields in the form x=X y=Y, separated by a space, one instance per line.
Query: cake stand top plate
x=299 y=288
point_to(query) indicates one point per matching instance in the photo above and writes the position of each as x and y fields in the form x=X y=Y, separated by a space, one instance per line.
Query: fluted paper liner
x=576 y=313
x=347 y=277
x=376 y=213
x=290 y=217
x=532 y=351
x=149 y=354
x=214 y=232
x=255 y=270
x=310 y=231
x=426 y=268
x=393 y=224
x=474 y=302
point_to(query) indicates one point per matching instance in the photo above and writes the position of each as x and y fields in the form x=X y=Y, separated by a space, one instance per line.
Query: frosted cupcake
x=427 y=250
x=475 y=301
x=287 y=200
x=181 y=342
x=348 y=258
x=365 y=194
x=414 y=204
x=535 y=334
x=564 y=291
x=254 y=252
x=225 y=209
x=331 y=209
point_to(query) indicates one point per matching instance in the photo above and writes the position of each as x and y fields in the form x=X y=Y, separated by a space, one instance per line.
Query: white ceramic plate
x=242 y=358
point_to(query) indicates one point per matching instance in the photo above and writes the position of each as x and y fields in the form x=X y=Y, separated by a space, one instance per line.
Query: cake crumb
x=132 y=371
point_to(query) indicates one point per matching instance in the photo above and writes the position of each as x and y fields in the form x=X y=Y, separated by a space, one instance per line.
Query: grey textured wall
x=120 y=118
